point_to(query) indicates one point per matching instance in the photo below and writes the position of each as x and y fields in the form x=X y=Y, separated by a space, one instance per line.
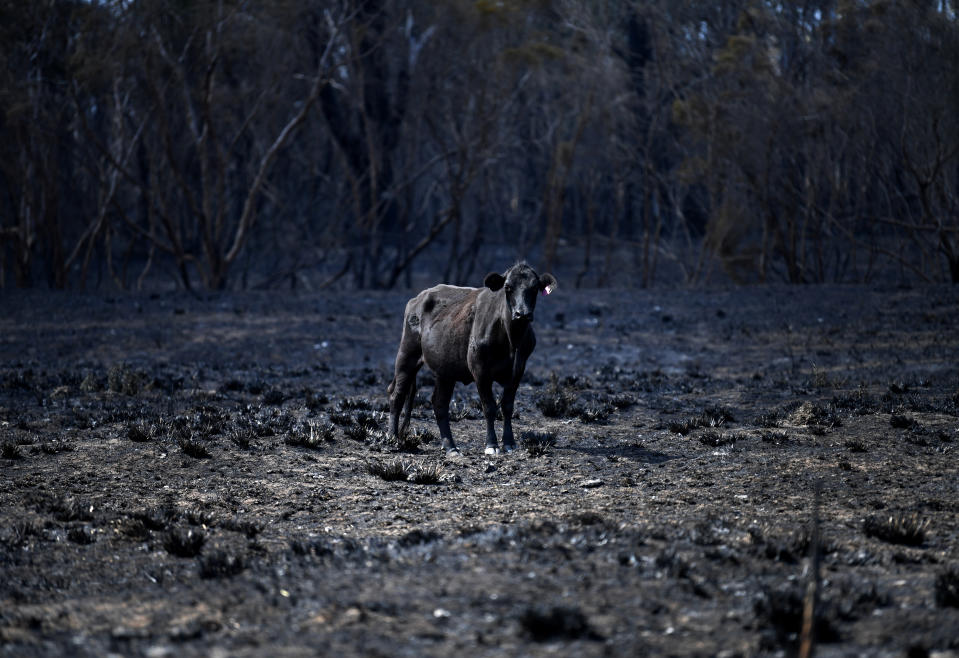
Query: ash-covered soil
x=186 y=477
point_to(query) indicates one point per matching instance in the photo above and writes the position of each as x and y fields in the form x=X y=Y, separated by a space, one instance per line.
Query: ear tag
x=547 y=290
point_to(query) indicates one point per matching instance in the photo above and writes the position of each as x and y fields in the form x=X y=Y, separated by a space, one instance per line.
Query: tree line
x=237 y=143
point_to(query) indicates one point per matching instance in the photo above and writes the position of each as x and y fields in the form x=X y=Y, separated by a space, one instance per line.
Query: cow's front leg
x=509 y=396
x=485 y=388
x=442 y=393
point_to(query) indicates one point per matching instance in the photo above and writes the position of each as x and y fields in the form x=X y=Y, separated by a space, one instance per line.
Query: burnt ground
x=184 y=476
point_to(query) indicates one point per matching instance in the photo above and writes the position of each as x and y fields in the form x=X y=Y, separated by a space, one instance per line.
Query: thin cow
x=481 y=335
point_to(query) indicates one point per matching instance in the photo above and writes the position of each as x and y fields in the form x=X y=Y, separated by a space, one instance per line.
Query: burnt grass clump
x=947 y=588
x=311 y=435
x=537 y=444
x=431 y=473
x=250 y=529
x=544 y=624
x=140 y=432
x=195 y=448
x=393 y=470
x=898 y=528
x=184 y=542
x=715 y=439
x=10 y=450
x=780 y=610
x=82 y=535
x=219 y=563
x=556 y=400
x=156 y=518
x=71 y=509
x=711 y=417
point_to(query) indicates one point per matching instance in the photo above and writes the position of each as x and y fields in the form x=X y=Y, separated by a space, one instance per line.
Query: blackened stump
x=481 y=335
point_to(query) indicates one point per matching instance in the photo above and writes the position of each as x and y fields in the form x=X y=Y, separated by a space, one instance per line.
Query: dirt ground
x=185 y=476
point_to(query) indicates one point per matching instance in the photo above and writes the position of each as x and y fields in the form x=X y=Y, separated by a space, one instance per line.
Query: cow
x=480 y=335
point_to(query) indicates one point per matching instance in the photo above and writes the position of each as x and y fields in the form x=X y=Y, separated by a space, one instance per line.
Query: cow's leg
x=408 y=362
x=485 y=387
x=408 y=411
x=509 y=396
x=442 y=392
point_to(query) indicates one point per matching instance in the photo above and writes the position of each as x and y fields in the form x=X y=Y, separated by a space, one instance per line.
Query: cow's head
x=521 y=286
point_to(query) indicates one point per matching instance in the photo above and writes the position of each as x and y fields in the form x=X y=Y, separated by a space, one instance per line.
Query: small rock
x=591 y=484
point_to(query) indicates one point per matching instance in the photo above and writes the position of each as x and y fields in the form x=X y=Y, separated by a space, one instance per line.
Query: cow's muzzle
x=519 y=315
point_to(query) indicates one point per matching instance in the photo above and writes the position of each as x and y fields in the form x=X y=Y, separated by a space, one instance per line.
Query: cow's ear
x=547 y=283
x=494 y=281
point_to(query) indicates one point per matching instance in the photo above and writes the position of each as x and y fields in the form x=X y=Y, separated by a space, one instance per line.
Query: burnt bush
x=715 y=439
x=221 y=564
x=54 y=447
x=82 y=535
x=537 y=444
x=593 y=412
x=156 y=518
x=430 y=473
x=898 y=528
x=360 y=433
x=141 y=432
x=123 y=379
x=776 y=437
x=274 y=397
x=184 y=542
x=311 y=436
x=10 y=450
x=200 y=516
x=315 y=400
x=815 y=415
x=194 y=447
x=394 y=470
x=543 y=624
x=71 y=509
x=19 y=533
x=781 y=610
x=417 y=537
x=557 y=400
x=409 y=442
x=710 y=417
x=249 y=528
x=947 y=588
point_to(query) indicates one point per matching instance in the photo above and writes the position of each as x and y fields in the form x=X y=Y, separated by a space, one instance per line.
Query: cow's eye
x=508 y=288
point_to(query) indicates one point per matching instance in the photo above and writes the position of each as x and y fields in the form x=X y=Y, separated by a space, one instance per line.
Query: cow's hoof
x=453 y=452
x=490 y=450
x=509 y=447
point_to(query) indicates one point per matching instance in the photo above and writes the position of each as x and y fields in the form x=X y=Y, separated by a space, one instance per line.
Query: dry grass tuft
x=899 y=528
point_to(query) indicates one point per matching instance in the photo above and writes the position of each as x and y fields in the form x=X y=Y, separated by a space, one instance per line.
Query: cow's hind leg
x=442 y=393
